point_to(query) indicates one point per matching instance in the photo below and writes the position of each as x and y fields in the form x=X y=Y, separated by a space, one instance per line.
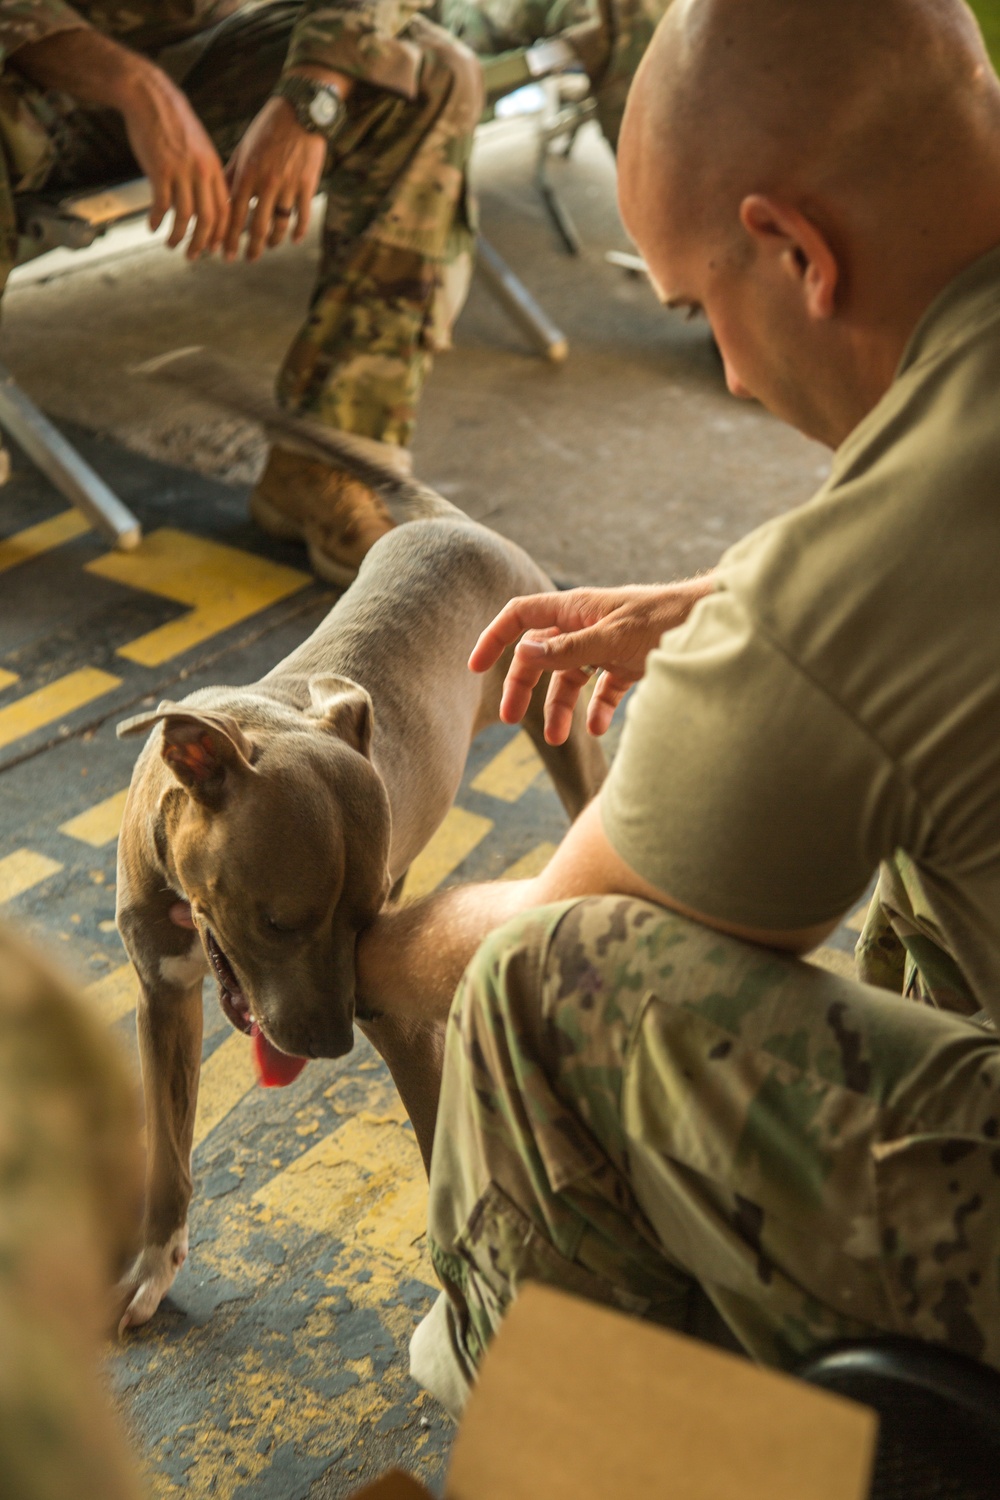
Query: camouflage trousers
x=70 y=1210
x=397 y=241
x=645 y=1112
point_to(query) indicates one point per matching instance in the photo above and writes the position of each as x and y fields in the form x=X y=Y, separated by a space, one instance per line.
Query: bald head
x=829 y=97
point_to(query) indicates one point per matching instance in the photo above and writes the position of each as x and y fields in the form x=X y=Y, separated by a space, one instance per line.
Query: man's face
x=771 y=349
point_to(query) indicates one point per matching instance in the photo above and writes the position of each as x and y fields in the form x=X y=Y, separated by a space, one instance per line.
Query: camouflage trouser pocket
x=500 y=1249
x=938 y=1207
x=506 y=1249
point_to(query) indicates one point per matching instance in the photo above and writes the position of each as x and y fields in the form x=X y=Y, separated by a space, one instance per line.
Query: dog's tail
x=208 y=376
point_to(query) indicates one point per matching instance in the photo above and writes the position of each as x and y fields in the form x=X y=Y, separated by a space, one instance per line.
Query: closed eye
x=273 y=925
x=690 y=310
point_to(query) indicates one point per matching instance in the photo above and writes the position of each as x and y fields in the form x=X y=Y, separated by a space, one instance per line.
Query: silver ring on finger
x=589 y=671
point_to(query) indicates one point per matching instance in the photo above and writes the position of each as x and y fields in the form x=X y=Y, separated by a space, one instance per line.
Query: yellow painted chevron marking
x=7 y=679
x=856 y=920
x=458 y=835
x=835 y=961
x=113 y=996
x=54 y=701
x=100 y=823
x=530 y=864
x=221 y=584
x=510 y=773
x=41 y=538
x=365 y=1180
x=226 y=1078
x=23 y=869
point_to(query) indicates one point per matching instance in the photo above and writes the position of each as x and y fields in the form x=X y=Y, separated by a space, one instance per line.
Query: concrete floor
x=277 y=1368
x=629 y=462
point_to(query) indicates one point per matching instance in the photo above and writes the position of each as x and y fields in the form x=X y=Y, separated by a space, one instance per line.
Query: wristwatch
x=318 y=107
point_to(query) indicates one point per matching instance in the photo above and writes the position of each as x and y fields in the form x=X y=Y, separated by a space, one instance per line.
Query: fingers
x=206 y=213
x=161 y=202
x=180 y=914
x=608 y=693
x=239 y=207
x=261 y=221
x=534 y=611
x=183 y=204
x=560 y=701
x=303 y=209
x=281 y=219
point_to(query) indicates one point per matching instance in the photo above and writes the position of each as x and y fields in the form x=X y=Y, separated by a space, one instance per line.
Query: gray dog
x=286 y=812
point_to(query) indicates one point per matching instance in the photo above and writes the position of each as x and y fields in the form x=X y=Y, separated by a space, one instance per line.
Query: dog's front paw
x=149 y=1279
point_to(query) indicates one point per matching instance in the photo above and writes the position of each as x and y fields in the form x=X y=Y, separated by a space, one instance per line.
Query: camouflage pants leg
x=397 y=249
x=398 y=237
x=633 y=1105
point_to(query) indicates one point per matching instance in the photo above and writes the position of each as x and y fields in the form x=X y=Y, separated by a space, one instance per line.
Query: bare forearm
x=412 y=958
x=88 y=66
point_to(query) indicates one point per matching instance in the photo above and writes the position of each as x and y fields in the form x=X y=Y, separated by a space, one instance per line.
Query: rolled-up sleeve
x=362 y=40
x=23 y=22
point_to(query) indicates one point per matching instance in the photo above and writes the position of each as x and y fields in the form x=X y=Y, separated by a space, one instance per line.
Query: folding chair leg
x=515 y=298
x=60 y=462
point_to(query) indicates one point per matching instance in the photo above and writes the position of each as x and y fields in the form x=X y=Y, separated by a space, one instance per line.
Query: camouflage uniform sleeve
x=25 y=21
x=362 y=38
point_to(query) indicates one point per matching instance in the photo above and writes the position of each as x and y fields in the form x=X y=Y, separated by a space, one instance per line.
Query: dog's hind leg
x=578 y=767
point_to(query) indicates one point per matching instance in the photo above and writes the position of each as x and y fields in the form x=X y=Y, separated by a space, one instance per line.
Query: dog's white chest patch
x=185 y=970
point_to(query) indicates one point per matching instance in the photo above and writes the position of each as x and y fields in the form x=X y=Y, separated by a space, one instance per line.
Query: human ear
x=798 y=246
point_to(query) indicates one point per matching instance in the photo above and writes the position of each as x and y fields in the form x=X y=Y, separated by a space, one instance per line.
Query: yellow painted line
x=23 y=869
x=41 y=538
x=113 y=996
x=100 y=823
x=856 y=920
x=222 y=586
x=7 y=679
x=458 y=835
x=530 y=864
x=510 y=773
x=53 y=702
x=835 y=961
x=226 y=1078
x=365 y=1179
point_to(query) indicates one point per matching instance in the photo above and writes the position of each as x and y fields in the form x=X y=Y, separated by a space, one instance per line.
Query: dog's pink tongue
x=274 y=1068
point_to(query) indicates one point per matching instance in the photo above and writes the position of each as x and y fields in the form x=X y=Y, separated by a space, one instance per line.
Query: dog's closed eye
x=274 y=925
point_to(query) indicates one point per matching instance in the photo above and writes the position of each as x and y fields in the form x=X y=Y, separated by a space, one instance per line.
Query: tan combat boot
x=338 y=517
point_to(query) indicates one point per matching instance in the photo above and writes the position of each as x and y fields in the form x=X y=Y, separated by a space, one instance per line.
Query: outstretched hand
x=574 y=634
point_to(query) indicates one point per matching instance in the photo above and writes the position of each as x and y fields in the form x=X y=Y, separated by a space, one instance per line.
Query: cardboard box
x=575 y=1402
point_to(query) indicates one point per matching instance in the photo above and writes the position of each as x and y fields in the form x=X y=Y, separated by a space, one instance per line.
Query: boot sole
x=341 y=575
x=277 y=523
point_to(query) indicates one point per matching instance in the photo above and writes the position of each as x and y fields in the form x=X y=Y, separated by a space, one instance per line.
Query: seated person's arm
x=168 y=140
x=414 y=956
x=742 y=796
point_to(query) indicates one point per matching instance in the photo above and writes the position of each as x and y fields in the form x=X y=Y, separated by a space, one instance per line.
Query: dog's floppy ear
x=344 y=708
x=201 y=748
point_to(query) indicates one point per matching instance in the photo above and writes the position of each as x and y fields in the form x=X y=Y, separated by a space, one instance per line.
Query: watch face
x=323 y=109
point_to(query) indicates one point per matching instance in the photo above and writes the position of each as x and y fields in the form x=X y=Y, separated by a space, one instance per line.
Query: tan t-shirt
x=838 y=697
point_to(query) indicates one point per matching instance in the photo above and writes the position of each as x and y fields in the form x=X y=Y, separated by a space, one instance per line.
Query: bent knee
x=569 y=977
x=454 y=74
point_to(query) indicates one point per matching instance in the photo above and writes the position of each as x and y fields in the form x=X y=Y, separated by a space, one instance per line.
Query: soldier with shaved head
x=648 y=1095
